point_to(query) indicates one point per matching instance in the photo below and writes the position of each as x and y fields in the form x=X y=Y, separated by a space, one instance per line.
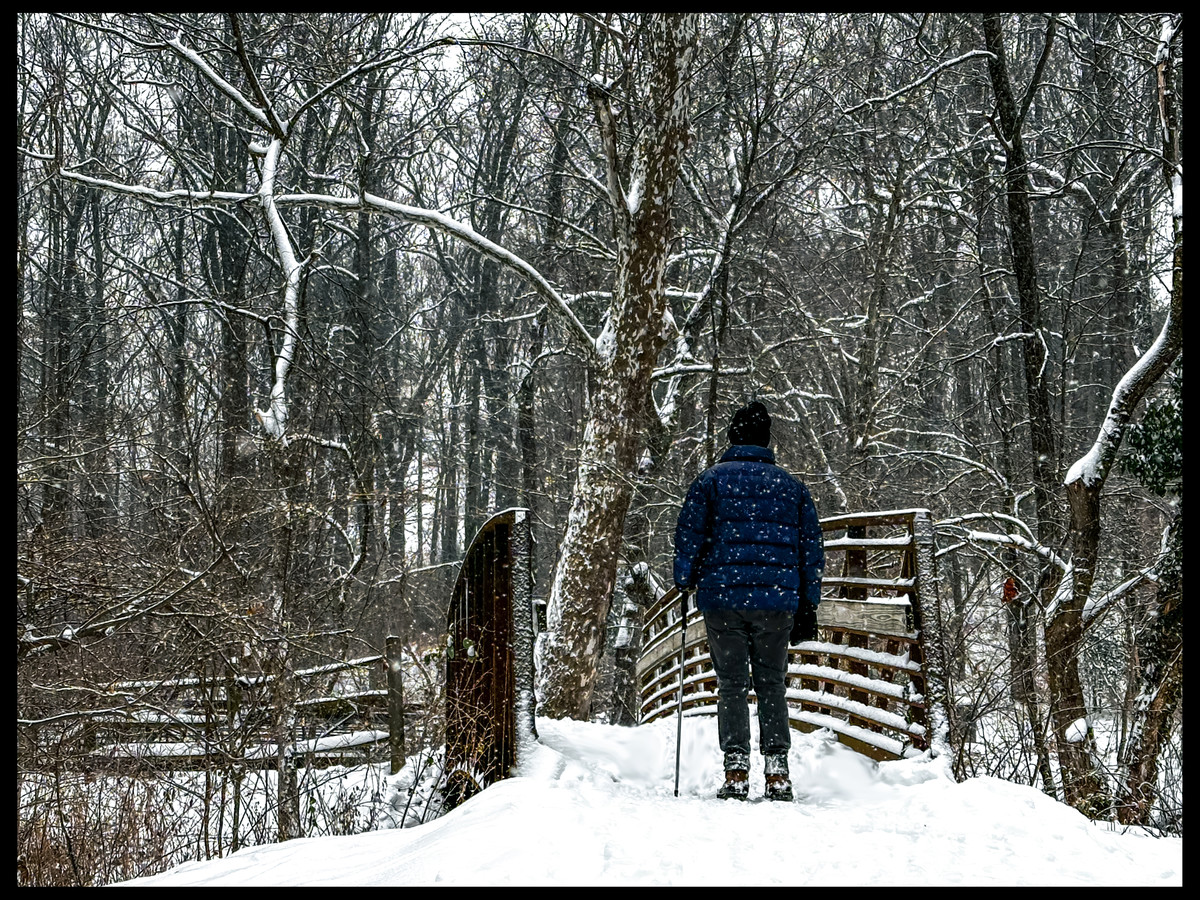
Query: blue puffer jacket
x=748 y=536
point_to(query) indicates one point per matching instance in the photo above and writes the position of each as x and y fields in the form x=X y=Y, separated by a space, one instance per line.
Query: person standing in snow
x=748 y=543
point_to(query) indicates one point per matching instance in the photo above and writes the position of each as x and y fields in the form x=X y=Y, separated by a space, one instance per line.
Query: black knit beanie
x=751 y=425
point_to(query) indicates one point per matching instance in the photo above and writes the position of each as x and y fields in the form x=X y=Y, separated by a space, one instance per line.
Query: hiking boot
x=736 y=786
x=779 y=787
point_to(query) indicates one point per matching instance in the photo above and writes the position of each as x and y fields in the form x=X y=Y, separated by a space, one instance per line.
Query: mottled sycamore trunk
x=584 y=575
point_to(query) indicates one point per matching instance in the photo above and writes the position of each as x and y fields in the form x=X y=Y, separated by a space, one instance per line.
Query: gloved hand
x=804 y=623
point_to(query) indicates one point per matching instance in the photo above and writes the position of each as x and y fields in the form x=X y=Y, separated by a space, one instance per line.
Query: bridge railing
x=489 y=656
x=866 y=677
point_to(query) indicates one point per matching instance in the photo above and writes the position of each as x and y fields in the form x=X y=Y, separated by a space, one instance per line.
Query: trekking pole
x=682 y=654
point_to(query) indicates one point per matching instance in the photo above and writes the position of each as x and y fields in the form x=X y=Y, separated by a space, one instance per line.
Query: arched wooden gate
x=489 y=657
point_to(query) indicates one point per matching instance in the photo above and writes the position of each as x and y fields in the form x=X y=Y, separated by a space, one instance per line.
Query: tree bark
x=1162 y=674
x=1159 y=688
x=628 y=349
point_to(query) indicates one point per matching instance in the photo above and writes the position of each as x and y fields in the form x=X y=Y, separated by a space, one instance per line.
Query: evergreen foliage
x=1154 y=446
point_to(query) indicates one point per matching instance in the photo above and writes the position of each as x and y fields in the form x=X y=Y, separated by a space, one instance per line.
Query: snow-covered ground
x=594 y=805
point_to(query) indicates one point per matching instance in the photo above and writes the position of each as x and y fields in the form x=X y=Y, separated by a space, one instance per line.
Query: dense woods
x=302 y=298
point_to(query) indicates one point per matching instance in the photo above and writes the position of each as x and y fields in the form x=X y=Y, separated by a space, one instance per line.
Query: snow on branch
x=447 y=225
x=932 y=73
x=181 y=196
x=225 y=87
x=681 y=368
x=1092 y=468
x=274 y=417
x=1074 y=186
x=278 y=128
x=429 y=218
x=1093 y=609
x=141 y=605
x=930 y=453
x=998 y=516
x=1005 y=338
x=1017 y=542
x=1025 y=541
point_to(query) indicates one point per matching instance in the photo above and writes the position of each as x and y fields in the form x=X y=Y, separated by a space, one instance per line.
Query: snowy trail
x=594 y=805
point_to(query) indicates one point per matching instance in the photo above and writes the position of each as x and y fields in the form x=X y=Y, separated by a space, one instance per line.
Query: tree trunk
x=628 y=349
x=1160 y=688
x=1082 y=785
x=1161 y=680
x=586 y=570
x=1084 y=486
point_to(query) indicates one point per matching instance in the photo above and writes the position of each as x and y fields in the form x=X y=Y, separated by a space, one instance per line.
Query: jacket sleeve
x=691 y=536
x=812 y=550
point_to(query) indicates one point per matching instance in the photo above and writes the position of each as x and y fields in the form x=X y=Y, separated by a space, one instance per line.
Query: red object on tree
x=1010 y=590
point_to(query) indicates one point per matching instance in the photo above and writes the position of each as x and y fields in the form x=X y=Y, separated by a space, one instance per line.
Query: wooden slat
x=666 y=646
x=894 y=584
x=877 y=747
x=882 y=690
x=883 y=517
x=863 y=615
x=856 y=711
x=847 y=543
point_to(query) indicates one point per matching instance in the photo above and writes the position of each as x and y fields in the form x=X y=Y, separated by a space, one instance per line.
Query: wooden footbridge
x=868 y=677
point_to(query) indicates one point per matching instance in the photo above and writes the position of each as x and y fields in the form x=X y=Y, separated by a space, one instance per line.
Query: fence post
x=927 y=616
x=395 y=676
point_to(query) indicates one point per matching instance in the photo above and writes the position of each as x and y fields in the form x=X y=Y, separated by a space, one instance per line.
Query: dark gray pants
x=750 y=646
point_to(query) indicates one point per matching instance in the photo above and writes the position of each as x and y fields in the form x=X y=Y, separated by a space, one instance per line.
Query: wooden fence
x=341 y=718
x=489 y=691
x=867 y=677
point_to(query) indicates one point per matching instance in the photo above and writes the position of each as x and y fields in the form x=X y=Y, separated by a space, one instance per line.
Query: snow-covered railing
x=343 y=748
x=336 y=717
x=866 y=677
